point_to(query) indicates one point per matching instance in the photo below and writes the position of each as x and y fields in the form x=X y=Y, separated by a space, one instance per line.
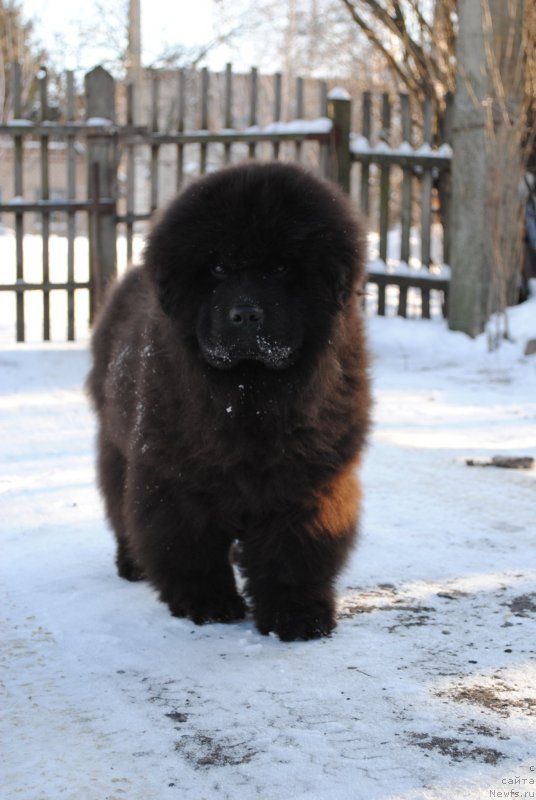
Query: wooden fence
x=130 y=169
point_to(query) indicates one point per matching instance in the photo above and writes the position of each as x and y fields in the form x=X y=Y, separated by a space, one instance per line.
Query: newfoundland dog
x=230 y=381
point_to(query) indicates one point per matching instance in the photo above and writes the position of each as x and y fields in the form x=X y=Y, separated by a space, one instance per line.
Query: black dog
x=230 y=381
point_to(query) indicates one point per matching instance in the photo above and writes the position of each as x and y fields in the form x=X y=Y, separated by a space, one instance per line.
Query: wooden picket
x=420 y=168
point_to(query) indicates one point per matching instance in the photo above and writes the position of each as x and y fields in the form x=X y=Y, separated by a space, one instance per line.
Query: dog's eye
x=218 y=271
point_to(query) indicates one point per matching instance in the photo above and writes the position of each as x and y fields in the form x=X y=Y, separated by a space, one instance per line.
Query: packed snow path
x=427 y=689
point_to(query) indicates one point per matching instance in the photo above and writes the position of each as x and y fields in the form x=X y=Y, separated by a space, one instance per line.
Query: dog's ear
x=343 y=284
x=166 y=294
x=341 y=291
x=164 y=287
x=156 y=264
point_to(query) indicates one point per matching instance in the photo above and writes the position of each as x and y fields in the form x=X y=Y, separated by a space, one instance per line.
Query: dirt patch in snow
x=523 y=606
x=498 y=697
x=202 y=751
x=456 y=749
x=385 y=597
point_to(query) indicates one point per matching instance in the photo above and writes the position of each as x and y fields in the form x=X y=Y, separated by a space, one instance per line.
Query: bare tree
x=106 y=38
x=492 y=137
x=509 y=37
x=17 y=43
x=416 y=38
x=310 y=38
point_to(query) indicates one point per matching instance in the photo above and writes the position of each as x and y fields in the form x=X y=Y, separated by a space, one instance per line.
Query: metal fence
x=135 y=148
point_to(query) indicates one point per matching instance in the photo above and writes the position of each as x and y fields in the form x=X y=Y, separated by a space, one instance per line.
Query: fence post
x=102 y=184
x=340 y=113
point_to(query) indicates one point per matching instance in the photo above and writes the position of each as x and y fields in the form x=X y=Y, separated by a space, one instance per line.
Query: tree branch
x=405 y=76
x=423 y=24
x=425 y=68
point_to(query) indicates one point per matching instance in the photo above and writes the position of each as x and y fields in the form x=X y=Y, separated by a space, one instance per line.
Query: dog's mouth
x=271 y=354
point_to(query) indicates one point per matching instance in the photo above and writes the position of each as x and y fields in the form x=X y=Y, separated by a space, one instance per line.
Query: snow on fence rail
x=103 y=179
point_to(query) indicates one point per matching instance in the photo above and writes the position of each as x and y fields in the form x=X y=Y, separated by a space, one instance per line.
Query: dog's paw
x=129 y=569
x=298 y=623
x=209 y=608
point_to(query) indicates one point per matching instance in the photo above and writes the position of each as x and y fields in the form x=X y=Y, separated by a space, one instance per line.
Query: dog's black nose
x=246 y=316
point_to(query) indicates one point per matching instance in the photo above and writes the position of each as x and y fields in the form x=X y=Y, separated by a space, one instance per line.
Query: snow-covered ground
x=427 y=689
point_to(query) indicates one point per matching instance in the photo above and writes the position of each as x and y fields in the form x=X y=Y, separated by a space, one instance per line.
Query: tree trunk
x=486 y=170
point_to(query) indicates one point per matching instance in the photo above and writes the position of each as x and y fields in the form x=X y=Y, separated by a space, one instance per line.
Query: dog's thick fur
x=230 y=383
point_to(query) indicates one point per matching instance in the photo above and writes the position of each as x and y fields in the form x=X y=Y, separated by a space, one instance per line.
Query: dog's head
x=253 y=263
